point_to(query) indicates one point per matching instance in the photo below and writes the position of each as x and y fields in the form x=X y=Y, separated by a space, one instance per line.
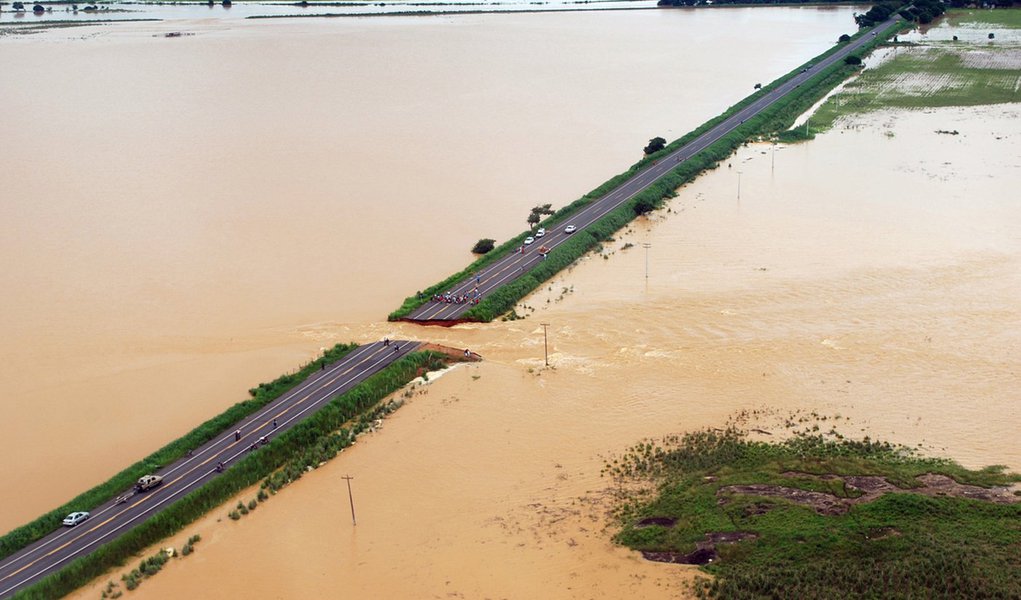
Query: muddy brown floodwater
x=890 y=300
x=184 y=218
x=874 y=272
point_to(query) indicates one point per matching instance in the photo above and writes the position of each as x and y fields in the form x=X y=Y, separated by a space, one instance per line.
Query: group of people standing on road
x=473 y=297
x=451 y=298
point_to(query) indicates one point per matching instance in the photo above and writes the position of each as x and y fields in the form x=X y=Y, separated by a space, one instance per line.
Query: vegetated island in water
x=819 y=516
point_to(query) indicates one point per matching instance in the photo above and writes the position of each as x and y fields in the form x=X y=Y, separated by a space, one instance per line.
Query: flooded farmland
x=215 y=222
x=894 y=309
x=192 y=216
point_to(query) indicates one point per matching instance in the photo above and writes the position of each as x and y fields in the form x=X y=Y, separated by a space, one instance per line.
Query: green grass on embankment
x=938 y=73
x=768 y=123
x=290 y=449
x=261 y=395
x=898 y=545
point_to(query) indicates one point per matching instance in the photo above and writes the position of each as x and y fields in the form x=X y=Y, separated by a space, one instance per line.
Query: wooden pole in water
x=545 y=343
x=350 y=498
x=646 y=245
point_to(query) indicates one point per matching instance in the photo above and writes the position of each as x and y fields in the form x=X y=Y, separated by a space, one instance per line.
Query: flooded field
x=247 y=9
x=210 y=224
x=943 y=65
x=178 y=228
x=892 y=304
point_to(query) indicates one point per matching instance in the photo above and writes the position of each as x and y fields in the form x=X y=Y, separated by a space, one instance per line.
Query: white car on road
x=75 y=518
x=570 y=229
x=541 y=232
x=529 y=239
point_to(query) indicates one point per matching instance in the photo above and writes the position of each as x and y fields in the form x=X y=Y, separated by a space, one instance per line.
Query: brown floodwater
x=891 y=303
x=183 y=218
x=873 y=273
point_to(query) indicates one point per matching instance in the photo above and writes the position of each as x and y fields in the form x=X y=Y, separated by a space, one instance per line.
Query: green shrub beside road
x=247 y=472
x=262 y=395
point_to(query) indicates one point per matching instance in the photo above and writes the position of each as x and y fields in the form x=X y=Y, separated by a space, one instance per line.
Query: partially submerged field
x=984 y=19
x=933 y=69
x=821 y=516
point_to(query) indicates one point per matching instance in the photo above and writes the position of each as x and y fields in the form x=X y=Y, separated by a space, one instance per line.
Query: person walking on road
x=274 y=423
x=237 y=435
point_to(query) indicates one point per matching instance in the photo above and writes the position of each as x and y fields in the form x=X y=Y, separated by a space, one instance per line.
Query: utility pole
x=739 y=185
x=646 y=245
x=545 y=342
x=772 y=158
x=350 y=498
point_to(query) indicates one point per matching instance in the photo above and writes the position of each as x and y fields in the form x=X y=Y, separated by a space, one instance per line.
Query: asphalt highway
x=113 y=519
x=516 y=264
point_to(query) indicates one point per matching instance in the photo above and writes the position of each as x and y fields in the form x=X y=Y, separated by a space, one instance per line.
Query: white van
x=148 y=482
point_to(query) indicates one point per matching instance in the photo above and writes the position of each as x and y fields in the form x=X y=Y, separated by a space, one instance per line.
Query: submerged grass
x=1006 y=17
x=900 y=545
x=928 y=77
x=934 y=75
